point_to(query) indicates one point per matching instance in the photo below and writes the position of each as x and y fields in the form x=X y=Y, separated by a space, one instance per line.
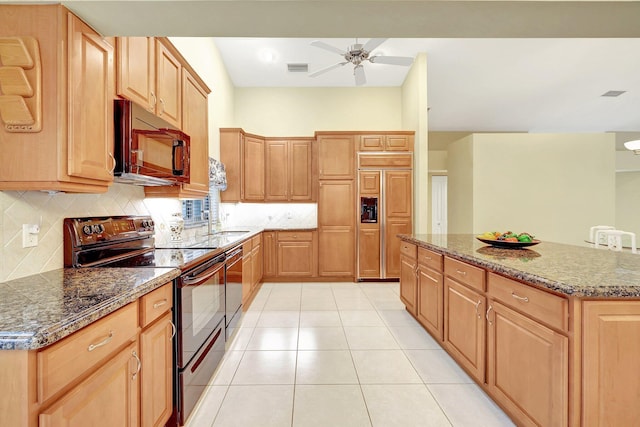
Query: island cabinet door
x=464 y=327
x=408 y=283
x=430 y=301
x=527 y=368
x=611 y=363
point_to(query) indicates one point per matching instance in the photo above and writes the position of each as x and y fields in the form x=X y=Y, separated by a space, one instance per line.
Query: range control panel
x=90 y=231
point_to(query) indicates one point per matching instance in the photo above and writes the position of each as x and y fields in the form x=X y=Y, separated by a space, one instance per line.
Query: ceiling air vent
x=613 y=93
x=298 y=68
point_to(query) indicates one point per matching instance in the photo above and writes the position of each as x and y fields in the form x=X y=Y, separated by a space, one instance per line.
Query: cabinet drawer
x=465 y=273
x=304 y=236
x=408 y=249
x=430 y=259
x=70 y=358
x=155 y=304
x=543 y=306
x=256 y=240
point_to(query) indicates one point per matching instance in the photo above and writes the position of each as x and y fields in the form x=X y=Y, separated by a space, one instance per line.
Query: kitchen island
x=550 y=332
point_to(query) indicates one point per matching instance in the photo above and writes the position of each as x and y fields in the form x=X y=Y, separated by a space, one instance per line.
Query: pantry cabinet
x=336 y=228
x=61 y=121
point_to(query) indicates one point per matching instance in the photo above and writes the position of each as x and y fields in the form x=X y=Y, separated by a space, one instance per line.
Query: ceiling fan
x=358 y=53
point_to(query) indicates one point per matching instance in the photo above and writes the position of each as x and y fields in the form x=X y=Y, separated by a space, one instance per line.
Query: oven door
x=200 y=306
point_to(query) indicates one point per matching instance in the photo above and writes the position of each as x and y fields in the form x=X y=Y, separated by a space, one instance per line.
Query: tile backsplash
x=49 y=209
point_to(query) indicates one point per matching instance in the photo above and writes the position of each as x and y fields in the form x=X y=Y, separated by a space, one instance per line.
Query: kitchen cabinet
x=252 y=268
x=464 y=326
x=429 y=309
x=109 y=397
x=231 y=141
x=156 y=355
x=288 y=170
x=369 y=251
x=195 y=123
x=69 y=144
x=253 y=169
x=611 y=353
x=386 y=142
x=394 y=226
x=150 y=74
x=269 y=252
x=336 y=228
x=256 y=261
x=336 y=156
x=408 y=277
x=296 y=254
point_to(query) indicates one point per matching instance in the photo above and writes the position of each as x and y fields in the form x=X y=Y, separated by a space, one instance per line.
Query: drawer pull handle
x=138 y=367
x=160 y=303
x=487 y=314
x=428 y=258
x=478 y=306
x=464 y=273
x=174 y=330
x=101 y=343
x=518 y=297
x=415 y=272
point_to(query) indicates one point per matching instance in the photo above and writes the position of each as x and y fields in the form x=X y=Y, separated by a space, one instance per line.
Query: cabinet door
x=464 y=327
x=369 y=251
x=300 y=182
x=195 y=123
x=336 y=251
x=430 y=301
x=295 y=258
x=371 y=142
x=393 y=227
x=90 y=141
x=168 y=86
x=276 y=171
x=253 y=168
x=408 y=283
x=398 y=194
x=527 y=368
x=336 y=157
x=369 y=183
x=269 y=258
x=611 y=352
x=231 y=141
x=256 y=261
x=336 y=204
x=247 y=277
x=156 y=375
x=107 y=398
x=398 y=143
x=136 y=70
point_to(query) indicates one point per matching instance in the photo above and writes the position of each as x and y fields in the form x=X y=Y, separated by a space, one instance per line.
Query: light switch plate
x=29 y=239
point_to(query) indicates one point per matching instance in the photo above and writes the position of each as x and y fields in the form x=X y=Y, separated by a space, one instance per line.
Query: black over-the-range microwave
x=148 y=150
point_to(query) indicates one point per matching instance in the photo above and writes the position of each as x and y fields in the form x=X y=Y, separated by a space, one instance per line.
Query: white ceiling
x=535 y=85
x=492 y=65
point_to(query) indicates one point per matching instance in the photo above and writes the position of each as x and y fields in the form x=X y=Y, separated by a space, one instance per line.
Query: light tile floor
x=338 y=354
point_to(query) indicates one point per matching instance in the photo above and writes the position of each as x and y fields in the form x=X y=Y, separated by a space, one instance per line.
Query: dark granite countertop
x=38 y=310
x=572 y=270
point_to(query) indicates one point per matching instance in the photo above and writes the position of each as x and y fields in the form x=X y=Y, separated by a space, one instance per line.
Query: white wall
x=302 y=111
x=414 y=117
x=555 y=186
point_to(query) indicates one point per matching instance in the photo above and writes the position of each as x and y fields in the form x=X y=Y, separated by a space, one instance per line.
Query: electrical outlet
x=30 y=235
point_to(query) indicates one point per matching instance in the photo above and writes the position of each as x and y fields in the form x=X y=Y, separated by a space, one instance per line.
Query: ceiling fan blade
x=358 y=73
x=329 y=68
x=372 y=44
x=326 y=46
x=392 y=60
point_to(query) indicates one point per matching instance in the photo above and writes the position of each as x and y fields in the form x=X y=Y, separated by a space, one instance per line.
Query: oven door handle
x=200 y=278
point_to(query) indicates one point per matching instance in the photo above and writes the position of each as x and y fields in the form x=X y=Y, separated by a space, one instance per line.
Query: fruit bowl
x=506 y=244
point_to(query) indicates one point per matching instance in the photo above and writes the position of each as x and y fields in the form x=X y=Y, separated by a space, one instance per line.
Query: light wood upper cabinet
x=611 y=351
x=276 y=171
x=336 y=157
x=300 y=171
x=253 y=168
x=73 y=150
x=168 y=85
x=231 y=141
x=385 y=142
x=136 y=70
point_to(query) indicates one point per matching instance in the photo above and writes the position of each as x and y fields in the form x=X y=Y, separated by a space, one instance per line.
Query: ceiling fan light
x=633 y=146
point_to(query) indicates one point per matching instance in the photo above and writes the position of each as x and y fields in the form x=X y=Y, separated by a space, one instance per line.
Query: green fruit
x=524 y=238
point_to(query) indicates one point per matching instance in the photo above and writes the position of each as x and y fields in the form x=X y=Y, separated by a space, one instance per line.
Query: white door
x=439 y=204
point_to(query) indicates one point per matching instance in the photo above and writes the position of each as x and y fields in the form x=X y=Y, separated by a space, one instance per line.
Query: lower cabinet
x=295 y=254
x=256 y=262
x=108 y=397
x=156 y=375
x=252 y=268
x=464 y=326
x=408 y=283
x=430 y=301
x=527 y=367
